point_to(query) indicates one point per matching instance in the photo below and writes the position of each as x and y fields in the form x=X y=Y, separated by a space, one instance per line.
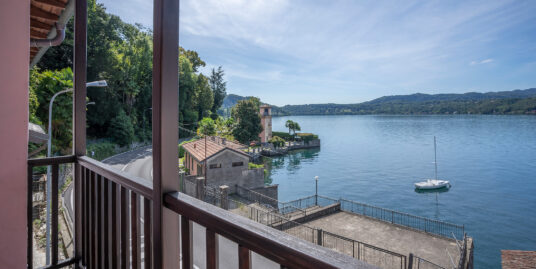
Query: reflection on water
x=291 y=162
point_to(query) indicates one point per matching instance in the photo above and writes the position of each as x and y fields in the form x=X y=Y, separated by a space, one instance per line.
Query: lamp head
x=100 y=83
x=316 y=178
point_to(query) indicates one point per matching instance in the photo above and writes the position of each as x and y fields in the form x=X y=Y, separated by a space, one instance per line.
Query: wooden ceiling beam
x=39 y=13
x=40 y=25
x=37 y=34
x=52 y=3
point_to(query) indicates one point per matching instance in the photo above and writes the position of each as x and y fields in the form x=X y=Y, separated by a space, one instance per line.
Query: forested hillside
x=506 y=102
x=120 y=53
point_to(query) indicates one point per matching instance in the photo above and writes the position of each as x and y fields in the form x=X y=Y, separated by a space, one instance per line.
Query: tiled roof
x=518 y=259
x=44 y=13
x=214 y=145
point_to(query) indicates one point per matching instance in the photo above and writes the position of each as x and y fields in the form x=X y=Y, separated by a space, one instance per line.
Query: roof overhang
x=44 y=15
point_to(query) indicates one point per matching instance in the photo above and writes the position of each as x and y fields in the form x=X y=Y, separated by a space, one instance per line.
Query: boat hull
x=432 y=184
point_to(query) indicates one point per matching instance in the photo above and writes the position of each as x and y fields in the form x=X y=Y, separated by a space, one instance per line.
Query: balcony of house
x=117 y=229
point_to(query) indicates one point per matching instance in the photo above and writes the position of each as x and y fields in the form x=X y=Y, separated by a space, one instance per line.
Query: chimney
x=195 y=146
x=223 y=141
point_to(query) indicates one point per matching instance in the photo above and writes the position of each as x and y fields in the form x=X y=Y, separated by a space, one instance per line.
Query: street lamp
x=100 y=83
x=316 y=192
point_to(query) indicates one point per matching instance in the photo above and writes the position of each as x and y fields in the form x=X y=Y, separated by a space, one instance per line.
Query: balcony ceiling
x=43 y=15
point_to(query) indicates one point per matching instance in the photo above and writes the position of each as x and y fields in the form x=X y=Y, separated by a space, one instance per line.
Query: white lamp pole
x=100 y=83
x=316 y=192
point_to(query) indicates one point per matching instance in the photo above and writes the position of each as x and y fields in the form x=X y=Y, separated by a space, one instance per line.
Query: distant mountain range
x=504 y=102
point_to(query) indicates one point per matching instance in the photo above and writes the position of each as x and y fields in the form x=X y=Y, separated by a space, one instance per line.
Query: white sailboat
x=435 y=183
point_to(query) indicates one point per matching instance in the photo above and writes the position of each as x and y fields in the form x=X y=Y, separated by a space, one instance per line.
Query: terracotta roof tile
x=214 y=145
x=518 y=259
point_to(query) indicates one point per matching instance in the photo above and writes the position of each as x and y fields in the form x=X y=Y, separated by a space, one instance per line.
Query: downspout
x=63 y=20
x=49 y=42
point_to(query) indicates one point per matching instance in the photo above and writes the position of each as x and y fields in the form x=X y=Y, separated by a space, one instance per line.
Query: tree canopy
x=122 y=54
x=248 y=122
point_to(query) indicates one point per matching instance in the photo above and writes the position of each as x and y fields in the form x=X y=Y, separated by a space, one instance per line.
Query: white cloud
x=486 y=61
x=375 y=46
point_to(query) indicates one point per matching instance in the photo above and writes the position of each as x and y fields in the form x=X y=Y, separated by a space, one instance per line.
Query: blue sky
x=304 y=51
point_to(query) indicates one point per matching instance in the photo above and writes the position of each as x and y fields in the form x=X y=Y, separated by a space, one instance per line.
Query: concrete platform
x=391 y=237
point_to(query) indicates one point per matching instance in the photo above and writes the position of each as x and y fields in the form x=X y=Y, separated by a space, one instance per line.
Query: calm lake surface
x=489 y=160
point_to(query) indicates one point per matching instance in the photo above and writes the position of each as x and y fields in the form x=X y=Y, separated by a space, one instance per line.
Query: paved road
x=139 y=163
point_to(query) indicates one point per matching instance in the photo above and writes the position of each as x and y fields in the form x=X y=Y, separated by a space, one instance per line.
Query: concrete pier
x=391 y=237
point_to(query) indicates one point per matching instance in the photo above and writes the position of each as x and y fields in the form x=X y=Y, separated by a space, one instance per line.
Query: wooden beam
x=40 y=25
x=51 y=3
x=39 y=13
x=37 y=34
x=165 y=131
x=79 y=114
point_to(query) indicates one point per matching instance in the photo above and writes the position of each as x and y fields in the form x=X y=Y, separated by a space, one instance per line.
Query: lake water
x=489 y=160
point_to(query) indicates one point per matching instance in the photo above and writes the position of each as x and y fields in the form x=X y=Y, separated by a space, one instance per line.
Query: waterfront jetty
x=378 y=236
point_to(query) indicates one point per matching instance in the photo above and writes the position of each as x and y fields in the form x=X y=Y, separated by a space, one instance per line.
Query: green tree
x=218 y=86
x=289 y=124
x=121 y=129
x=292 y=126
x=204 y=96
x=207 y=127
x=248 y=122
x=277 y=141
x=193 y=57
x=188 y=114
x=43 y=85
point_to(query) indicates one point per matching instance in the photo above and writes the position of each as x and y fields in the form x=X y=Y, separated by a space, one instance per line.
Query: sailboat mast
x=435 y=157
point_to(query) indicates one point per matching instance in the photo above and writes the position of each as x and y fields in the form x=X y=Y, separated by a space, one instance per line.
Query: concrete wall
x=14 y=65
x=251 y=179
x=231 y=176
x=270 y=191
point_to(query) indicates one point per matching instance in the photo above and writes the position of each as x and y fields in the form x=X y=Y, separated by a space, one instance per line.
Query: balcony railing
x=116 y=225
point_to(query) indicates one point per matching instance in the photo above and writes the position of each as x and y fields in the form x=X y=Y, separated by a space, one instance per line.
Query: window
x=212 y=166
x=238 y=164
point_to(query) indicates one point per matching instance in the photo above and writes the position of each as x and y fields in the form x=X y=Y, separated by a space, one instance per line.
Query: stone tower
x=266 y=122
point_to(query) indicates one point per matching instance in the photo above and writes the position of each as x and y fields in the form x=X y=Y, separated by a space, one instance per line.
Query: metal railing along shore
x=427 y=225
x=368 y=253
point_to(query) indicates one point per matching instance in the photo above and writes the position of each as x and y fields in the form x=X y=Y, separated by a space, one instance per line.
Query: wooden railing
x=54 y=162
x=280 y=247
x=116 y=225
x=115 y=206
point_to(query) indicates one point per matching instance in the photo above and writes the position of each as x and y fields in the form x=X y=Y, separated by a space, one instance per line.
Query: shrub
x=121 y=129
x=254 y=165
x=306 y=137
x=283 y=135
x=101 y=150
x=277 y=141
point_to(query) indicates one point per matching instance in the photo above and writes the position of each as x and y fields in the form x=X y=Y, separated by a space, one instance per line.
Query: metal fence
x=269 y=202
x=370 y=254
x=420 y=263
x=463 y=253
x=437 y=227
x=310 y=202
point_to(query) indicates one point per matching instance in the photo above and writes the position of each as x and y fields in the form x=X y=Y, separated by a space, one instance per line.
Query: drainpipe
x=57 y=40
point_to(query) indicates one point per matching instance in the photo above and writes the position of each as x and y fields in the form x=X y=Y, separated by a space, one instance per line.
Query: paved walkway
x=390 y=237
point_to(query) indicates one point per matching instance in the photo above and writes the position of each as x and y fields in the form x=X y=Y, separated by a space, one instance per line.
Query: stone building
x=266 y=122
x=227 y=163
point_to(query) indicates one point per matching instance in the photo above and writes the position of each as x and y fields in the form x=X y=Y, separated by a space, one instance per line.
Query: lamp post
x=100 y=83
x=316 y=192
